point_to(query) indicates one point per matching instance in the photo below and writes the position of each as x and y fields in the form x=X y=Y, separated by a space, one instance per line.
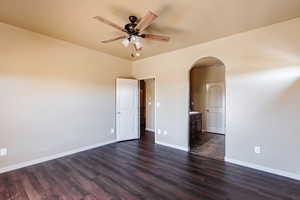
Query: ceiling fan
x=134 y=31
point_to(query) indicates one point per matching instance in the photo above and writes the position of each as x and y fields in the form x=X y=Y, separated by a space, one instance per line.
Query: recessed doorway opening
x=147 y=110
x=207 y=108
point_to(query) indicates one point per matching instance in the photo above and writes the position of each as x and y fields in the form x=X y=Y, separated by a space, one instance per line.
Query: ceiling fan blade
x=156 y=37
x=114 y=39
x=146 y=21
x=107 y=22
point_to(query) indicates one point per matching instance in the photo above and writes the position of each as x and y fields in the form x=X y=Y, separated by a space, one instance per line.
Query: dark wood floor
x=141 y=170
x=210 y=145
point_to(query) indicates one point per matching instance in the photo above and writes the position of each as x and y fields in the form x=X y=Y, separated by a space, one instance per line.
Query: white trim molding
x=173 y=146
x=263 y=168
x=52 y=157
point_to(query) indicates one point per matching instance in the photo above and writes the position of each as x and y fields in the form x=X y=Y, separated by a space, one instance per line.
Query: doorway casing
x=155 y=105
x=199 y=60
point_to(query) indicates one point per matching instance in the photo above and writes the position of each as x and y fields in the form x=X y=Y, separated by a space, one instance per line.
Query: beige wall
x=55 y=96
x=262 y=93
x=150 y=104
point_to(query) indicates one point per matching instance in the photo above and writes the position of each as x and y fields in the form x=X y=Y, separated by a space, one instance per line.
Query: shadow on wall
x=289 y=97
x=28 y=55
x=80 y=71
x=280 y=60
x=55 y=96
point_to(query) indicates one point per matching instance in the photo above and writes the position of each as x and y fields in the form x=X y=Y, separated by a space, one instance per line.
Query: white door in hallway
x=215 y=108
x=127 y=109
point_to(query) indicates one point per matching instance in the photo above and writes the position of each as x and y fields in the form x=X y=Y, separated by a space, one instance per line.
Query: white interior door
x=127 y=109
x=215 y=108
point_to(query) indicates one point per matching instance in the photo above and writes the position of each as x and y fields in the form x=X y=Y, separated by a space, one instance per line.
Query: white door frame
x=155 y=104
x=223 y=101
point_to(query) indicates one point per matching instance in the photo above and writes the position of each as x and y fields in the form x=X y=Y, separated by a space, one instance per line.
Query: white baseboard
x=149 y=129
x=173 y=146
x=265 y=169
x=52 y=157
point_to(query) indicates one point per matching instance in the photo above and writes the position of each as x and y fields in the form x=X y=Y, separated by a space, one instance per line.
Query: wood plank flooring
x=211 y=145
x=141 y=170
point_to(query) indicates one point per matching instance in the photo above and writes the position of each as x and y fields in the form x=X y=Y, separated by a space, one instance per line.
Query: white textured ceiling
x=188 y=22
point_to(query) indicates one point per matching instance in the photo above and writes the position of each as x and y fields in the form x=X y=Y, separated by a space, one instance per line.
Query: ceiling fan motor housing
x=133 y=19
x=130 y=28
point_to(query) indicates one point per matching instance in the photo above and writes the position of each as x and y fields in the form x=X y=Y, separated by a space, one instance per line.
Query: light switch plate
x=165 y=132
x=3 y=152
x=158 y=131
x=257 y=149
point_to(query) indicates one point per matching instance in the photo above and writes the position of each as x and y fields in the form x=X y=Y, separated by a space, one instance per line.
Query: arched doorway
x=207 y=108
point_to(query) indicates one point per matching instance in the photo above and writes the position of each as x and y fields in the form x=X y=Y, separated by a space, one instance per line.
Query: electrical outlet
x=257 y=149
x=112 y=130
x=165 y=132
x=3 y=152
x=158 y=131
x=157 y=104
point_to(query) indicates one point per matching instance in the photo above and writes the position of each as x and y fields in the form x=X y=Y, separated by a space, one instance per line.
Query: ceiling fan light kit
x=125 y=42
x=138 y=44
x=133 y=32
